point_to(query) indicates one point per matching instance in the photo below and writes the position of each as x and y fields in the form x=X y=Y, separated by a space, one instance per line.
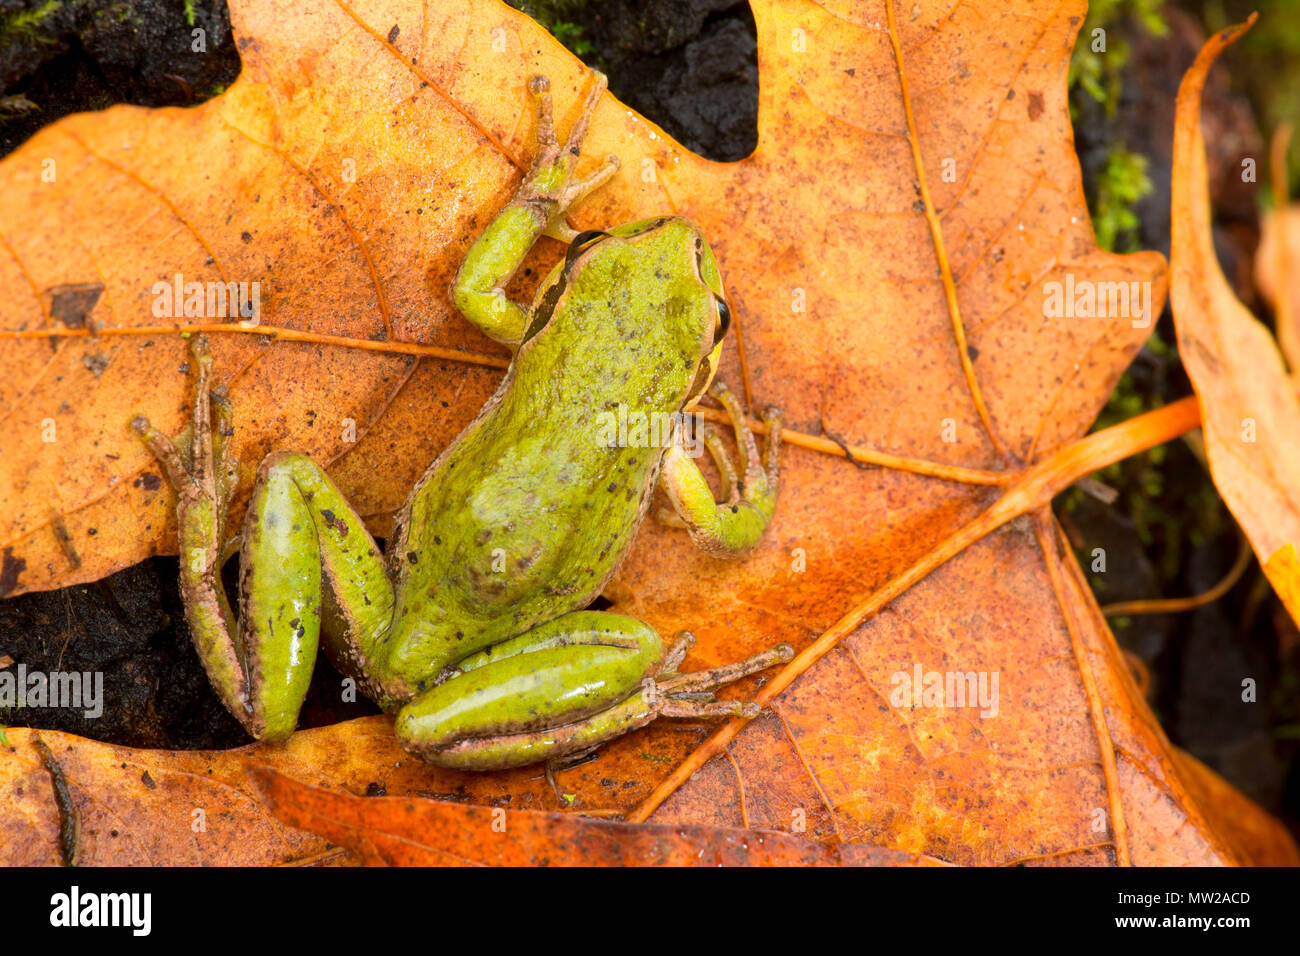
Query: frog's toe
x=549 y=147
x=774 y=420
x=561 y=231
x=227 y=466
x=691 y=694
x=199 y=454
x=581 y=187
x=669 y=518
x=677 y=651
x=579 y=130
x=178 y=473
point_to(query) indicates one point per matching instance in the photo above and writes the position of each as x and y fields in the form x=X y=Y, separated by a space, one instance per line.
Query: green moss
x=189 y=12
x=570 y=34
x=557 y=16
x=1099 y=72
x=1097 y=66
x=1118 y=188
x=24 y=27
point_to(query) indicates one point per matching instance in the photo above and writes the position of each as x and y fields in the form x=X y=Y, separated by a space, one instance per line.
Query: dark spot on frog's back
x=148 y=482
x=412 y=557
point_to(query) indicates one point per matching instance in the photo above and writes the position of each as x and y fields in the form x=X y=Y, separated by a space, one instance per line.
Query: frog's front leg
x=305 y=556
x=735 y=526
x=538 y=208
x=563 y=688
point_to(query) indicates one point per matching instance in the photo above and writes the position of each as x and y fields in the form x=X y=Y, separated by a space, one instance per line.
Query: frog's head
x=688 y=274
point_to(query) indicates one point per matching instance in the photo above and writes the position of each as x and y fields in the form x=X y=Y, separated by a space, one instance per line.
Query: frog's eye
x=581 y=242
x=724 y=320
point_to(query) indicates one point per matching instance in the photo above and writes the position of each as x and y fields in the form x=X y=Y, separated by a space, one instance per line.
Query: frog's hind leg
x=522 y=701
x=563 y=689
x=304 y=555
x=192 y=470
x=355 y=593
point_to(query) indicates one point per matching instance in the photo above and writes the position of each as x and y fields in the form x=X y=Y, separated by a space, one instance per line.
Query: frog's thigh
x=304 y=543
x=562 y=687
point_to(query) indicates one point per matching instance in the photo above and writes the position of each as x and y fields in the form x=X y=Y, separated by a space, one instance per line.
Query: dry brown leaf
x=1249 y=409
x=183 y=808
x=1278 y=277
x=876 y=301
x=391 y=831
x=198 y=808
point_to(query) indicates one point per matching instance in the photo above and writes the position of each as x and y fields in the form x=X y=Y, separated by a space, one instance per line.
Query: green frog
x=472 y=629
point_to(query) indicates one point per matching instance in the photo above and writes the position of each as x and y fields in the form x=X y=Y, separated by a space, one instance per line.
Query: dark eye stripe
x=545 y=308
x=724 y=319
x=580 y=242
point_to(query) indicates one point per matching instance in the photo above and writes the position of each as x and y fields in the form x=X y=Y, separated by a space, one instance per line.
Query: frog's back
x=530 y=511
